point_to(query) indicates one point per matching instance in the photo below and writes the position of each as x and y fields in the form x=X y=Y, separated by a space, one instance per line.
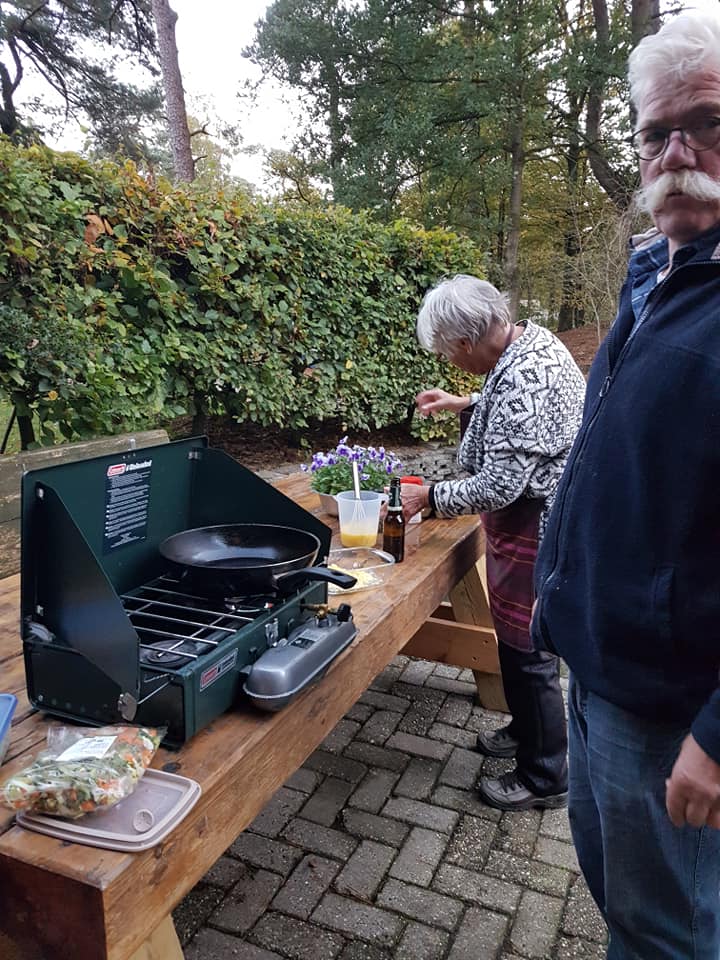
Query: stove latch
x=127 y=706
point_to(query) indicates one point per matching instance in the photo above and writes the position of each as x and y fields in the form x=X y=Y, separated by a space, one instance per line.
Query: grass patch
x=13 y=445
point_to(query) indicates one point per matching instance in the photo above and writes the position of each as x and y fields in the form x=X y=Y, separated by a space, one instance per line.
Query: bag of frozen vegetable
x=82 y=770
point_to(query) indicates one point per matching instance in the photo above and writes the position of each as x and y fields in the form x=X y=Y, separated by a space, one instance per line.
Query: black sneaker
x=497 y=743
x=507 y=793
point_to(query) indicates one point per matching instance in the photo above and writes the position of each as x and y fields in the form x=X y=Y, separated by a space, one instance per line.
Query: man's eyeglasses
x=651 y=142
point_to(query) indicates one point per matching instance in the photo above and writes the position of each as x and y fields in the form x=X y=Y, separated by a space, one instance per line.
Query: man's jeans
x=657 y=886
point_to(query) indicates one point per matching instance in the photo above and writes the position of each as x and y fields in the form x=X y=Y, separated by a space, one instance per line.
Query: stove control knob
x=344 y=612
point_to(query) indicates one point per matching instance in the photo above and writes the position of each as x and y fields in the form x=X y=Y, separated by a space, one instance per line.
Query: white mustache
x=692 y=183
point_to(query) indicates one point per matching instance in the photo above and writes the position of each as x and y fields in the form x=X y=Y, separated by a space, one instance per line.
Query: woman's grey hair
x=460 y=308
x=684 y=45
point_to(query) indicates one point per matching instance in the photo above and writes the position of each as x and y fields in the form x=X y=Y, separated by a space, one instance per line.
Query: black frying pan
x=243 y=558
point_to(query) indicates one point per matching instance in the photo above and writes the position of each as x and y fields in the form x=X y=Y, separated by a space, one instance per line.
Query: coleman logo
x=116 y=469
x=217 y=670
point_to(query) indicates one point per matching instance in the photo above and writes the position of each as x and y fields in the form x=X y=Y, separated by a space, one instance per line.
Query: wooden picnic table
x=61 y=901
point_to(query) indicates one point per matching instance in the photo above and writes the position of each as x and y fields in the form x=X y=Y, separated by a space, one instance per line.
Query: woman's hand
x=414 y=498
x=434 y=400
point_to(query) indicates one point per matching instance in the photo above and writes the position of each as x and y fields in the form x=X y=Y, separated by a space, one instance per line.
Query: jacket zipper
x=607 y=383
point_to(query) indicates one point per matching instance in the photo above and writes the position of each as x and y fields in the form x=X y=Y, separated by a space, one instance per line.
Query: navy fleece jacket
x=628 y=575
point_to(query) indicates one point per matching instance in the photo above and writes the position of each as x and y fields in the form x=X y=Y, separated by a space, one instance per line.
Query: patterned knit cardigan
x=523 y=425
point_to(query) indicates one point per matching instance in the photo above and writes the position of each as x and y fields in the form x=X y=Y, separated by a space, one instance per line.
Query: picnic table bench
x=62 y=901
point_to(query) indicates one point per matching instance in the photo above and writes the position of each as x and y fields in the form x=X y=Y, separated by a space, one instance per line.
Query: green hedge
x=126 y=302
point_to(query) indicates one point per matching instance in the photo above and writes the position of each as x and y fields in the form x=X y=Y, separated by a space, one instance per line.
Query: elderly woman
x=523 y=423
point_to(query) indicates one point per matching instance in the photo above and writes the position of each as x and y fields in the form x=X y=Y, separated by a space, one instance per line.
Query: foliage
x=332 y=472
x=75 y=48
x=189 y=300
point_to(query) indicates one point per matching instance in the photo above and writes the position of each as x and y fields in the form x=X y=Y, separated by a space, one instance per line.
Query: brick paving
x=379 y=848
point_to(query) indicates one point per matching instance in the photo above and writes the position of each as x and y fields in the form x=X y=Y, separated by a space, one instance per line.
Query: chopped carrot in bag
x=83 y=770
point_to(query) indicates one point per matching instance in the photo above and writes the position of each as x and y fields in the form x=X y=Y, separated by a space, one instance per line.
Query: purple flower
x=304 y=467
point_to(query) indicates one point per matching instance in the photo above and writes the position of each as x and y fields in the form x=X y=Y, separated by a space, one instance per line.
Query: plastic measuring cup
x=358 y=518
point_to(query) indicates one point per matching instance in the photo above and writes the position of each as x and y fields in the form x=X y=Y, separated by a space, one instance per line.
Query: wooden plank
x=240 y=760
x=163 y=944
x=462 y=644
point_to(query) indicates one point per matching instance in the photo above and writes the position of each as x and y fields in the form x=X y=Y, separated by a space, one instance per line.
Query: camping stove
x=109 y=634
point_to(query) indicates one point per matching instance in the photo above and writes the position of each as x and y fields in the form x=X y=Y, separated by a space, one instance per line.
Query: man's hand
x=414 y=498
x=693 y=789
x=432 y=401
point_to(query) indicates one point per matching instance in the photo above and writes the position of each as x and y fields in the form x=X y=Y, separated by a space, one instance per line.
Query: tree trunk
x=165 y=20
x=512 y=246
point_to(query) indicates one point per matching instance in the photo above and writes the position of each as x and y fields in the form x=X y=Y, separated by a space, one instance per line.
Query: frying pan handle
x=295 y=578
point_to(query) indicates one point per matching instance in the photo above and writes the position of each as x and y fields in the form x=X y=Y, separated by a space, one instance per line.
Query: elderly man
x=628 y=576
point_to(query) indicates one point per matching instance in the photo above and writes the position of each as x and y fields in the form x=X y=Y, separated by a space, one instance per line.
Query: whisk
x=358 y=507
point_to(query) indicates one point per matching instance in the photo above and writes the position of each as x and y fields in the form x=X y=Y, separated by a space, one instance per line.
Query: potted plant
x=331 y=472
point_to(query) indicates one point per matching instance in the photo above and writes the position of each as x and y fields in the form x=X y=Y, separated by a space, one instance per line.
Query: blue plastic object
x=7 y=708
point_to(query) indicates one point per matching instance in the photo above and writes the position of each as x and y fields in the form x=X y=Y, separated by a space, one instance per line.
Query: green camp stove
x=111 y=634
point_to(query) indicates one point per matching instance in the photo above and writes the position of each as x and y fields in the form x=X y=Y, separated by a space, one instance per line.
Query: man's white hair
x=460 y=308
x=684 y=45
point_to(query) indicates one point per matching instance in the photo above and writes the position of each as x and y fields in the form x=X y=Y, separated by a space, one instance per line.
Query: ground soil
x=267 y=448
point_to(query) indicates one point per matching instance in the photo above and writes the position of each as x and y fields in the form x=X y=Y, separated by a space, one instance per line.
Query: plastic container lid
x=418 y=480
x=156 y=806
x=8 y=702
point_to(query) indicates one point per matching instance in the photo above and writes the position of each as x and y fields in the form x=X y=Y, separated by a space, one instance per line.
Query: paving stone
x=417 y=671
x=195 y=909
x=467 y=674
x=466 y=802
x=446 y=670
x=359 y=712
x=421 y=814
x=434 y=698
x=305 y=886
x=400 y=660
x=385 y=680
x=420 y=904
x=459 y=687
x=419 y=718
x=213 y=945
x=357 y=950
x=365 y=870
x=264 y=852
x=248 y=900
x=303 y=780
x=455 y=711
x=480 y=935
x=462 y=769
x=374 y=790
x=419 y=746
x=471 y=842
x=530 y=873
x=482 y=719
x=280 y=809
x=582 y=917
x=358 y=920
x=224 y=873
x=385 y=701
x=340 y=736
x=555 y=823
x=535 y=927
x=517 y=832
x=423 y=942
x=372 y=756
x=456 y=736
x=332 y=766
x=419 y=857
x=295 y=938
x=319 y=839
x=372 y=827
x=573 y=948
x=379 y=727
x=419 y=779
x=477 y=888
x=327 y=801
x=557 y=852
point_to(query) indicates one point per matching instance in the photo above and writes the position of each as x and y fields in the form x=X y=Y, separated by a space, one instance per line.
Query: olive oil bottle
x=394 y=525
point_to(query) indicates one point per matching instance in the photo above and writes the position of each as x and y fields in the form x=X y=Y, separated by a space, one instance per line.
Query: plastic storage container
x=370 y=566
x=8 y=702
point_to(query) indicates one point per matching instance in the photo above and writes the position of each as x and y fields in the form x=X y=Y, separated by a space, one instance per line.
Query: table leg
x=162 y=944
